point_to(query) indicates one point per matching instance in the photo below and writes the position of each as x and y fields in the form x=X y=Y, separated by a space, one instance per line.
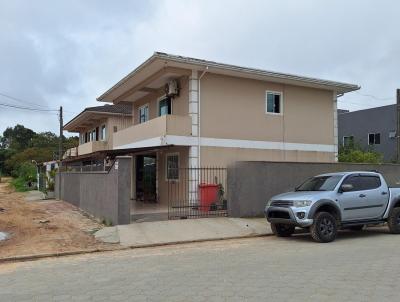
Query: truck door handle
x=362 y=195
x=384 y=193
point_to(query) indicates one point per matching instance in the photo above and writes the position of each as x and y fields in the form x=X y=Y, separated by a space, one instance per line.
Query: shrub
x=357 y=155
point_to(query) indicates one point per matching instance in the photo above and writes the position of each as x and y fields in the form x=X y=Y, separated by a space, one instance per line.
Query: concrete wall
x=252 y=184
x=101 y=194
x=375 y=120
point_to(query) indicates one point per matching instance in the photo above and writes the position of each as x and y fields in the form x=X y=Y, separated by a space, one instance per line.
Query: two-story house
x=96 y=126
x=188 y=112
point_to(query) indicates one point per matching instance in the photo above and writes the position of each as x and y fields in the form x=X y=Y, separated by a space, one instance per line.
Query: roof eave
x=339 y=87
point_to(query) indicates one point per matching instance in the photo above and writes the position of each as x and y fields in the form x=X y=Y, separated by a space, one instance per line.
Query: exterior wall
x=162 y=181
x=235 y=108
x=180 y=104
x=101 y=194
x=223 y=157
x=375 y=120
x=252 y=184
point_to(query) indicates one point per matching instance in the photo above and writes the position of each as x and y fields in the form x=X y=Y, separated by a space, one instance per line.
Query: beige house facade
x=187 y=112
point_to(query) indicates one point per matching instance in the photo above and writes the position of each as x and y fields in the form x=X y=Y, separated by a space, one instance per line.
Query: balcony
x=92 y=147
x=139 y=135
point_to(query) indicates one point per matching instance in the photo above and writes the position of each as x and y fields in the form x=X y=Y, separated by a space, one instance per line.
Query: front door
x=367 y=200
x=146 y=178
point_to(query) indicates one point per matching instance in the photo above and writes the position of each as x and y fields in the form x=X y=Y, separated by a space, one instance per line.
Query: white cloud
x=69 y=52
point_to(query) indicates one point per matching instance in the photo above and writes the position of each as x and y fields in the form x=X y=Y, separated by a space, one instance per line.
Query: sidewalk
x=181 y=231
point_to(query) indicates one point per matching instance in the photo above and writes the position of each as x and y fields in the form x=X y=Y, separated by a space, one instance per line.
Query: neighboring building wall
x=120 y=122
x=375 y=120
x=252 y=184
x=235 y=109
x=101 y=194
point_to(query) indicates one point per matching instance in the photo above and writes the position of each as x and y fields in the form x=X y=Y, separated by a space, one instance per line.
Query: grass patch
x=19 y=184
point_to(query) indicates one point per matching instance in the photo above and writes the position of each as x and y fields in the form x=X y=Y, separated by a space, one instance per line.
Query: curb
x=25 y=258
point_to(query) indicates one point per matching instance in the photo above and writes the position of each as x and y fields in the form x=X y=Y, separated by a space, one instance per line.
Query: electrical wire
x=27 y=108
x=374 y=97
x=20 y=100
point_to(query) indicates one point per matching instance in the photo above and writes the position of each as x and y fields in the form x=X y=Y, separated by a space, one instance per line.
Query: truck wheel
x=394 y=221
x=324 y=228
x=282 y=230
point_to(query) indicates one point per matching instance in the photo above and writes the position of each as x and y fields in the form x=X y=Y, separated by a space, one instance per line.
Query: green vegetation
x=355 y=154
x=19 y=146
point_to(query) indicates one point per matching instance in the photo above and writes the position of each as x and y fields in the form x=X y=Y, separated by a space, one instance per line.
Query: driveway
x=362 y=266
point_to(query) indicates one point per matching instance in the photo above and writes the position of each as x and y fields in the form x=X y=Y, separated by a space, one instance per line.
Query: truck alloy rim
x=326 y=227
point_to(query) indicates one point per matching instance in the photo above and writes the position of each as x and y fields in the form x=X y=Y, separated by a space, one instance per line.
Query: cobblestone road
x=363 y=266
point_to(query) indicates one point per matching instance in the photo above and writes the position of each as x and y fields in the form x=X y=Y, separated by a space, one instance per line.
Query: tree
x=17 y=138
x=20 y=145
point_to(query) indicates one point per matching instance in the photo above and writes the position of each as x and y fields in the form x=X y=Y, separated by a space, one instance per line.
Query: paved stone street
x=359 y=266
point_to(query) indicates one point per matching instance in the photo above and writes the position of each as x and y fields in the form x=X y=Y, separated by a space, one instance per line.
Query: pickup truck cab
x=327 y=202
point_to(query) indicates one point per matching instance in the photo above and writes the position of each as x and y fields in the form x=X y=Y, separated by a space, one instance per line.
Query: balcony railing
x=92 y=147
x=154 y=128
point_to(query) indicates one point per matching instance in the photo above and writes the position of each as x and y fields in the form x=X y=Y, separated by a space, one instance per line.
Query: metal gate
x=198 y=192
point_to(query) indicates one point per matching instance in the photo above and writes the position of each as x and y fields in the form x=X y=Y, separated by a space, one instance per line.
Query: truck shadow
x=304 y=235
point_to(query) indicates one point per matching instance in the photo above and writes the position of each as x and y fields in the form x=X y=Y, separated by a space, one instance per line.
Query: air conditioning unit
x=171 y=89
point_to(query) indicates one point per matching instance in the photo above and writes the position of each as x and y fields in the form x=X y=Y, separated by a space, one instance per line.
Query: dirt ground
x=40 y=227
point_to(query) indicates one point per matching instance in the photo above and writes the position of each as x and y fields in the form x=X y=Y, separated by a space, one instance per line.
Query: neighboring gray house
x=370 y=128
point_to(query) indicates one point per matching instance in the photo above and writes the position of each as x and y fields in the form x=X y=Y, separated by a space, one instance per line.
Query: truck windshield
x=320 y=183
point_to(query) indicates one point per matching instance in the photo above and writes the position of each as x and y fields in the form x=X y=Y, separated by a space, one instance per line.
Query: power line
x=26 y=108
x=374 y=97
x=20 y=100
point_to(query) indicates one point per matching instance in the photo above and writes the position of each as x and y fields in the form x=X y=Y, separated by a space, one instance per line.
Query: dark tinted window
x=320 y=183
x=363 y=182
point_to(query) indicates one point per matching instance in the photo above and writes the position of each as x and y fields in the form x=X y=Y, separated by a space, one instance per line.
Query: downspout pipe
x=199 y=117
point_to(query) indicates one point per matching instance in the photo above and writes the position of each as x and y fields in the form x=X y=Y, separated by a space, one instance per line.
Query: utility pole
x=60 y=155
x=398 y=124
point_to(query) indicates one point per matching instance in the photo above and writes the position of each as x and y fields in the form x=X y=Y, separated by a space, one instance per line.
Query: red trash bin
x=208 y=194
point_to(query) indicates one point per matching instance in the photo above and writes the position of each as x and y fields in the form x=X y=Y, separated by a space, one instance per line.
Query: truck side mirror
x=346 y=188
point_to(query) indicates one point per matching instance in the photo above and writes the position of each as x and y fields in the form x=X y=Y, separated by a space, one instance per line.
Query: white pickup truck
x=327 y=202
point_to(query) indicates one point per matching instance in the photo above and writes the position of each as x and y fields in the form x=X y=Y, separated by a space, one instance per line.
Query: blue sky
x=67 y=53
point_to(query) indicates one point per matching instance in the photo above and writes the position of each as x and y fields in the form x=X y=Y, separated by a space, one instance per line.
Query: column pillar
x=194 y=150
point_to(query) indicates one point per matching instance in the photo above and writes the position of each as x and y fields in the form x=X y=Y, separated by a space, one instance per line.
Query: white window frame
x=346 y=136
x=280 y=103
x=158 y=104
x=166 y=166
x=374 y=133
x=148 y=113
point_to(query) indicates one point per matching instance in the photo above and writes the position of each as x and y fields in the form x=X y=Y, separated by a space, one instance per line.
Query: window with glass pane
x=348 y=141
x=164 y=107
x=103 y=132
x=374 y=138
x=273 y=102
x=143 y=114
x=172 y=167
